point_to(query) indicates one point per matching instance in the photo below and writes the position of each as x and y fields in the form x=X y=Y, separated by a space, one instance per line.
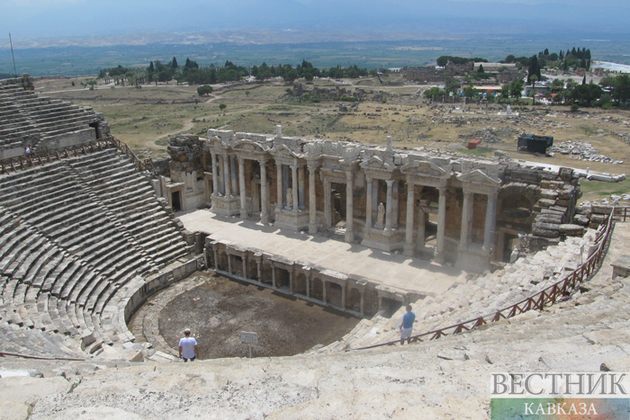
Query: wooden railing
x=141 y=165
x=539 y=301
x=19 y=163
x=621 y=213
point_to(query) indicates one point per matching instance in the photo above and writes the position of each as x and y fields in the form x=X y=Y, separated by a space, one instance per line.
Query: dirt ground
x=218 y=310
x=146 y=117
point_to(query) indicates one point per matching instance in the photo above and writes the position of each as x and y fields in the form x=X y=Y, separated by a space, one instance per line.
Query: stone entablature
x=447 y=206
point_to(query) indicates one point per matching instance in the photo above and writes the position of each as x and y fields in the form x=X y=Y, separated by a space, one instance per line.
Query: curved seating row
x=73 y=233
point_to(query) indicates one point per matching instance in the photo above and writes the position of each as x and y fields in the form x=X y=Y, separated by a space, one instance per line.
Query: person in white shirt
x=188 y=347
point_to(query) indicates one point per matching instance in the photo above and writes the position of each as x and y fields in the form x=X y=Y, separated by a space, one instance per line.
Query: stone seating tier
x=65 y=252
x=479 y=296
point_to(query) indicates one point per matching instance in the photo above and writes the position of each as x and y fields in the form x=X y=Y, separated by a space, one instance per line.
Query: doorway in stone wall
x=338 y=201
x=176 y=201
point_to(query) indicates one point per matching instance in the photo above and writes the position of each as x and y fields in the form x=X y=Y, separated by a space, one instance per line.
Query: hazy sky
x=44 y=18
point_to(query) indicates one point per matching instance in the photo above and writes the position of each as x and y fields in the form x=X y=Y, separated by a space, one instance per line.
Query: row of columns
x=258 y=259
x=297 y=186
x=225 y=182
x=227 y=179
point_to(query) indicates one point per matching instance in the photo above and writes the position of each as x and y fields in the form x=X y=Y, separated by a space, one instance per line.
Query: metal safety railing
x=539 y=301
x=31 y=160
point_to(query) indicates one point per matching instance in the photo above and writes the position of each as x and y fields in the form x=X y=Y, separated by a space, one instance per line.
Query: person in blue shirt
x=406 y=326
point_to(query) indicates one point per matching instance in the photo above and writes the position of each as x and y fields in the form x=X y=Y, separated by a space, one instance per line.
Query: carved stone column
x=215 y=174
x=327 y=204
x=264 y=194
x=280 y=190
x=466 y=218
x=233 y=175
x=294 y=187
x=388 y=209
x=422 y=221
x=439 y=249
x=259 y=267
x=291 y=280
x=491 y=220
x=395 y=202
x=244 y=259
x=312 y=201
x=349 y=207
x=226 y=175
x=362 y=304
x=301 y=187
x=242 y=192
x=368 y=203
x=409 y=248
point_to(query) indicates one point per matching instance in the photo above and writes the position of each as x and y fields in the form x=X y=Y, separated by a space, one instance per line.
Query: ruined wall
x=541 y=200
x=186 y=166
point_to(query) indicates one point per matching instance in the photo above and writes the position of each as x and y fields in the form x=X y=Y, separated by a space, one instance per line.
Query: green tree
x=505 y=91
x=586 y=94
x=621 y=89
x=533 y=69
x=222 y=107
x=204 y=90
x=533 y=79
x=433 y=92
x=470 y=91
x=516 y=89
x=452 y=86
x=290 y=75
x=607 y=82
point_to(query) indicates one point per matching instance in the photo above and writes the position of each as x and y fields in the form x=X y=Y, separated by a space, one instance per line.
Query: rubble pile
x=582 y=150
x=490 y=134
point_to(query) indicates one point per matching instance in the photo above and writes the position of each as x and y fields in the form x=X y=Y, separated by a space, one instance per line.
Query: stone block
x=559 y=209
x=552 y=185
x=135 y=357
x=598 y=218
x=549 y=218
x=580 y=219
x=572 y=230
x=546 y=233
x=601 y=209
x=563 y=203
x=567 y=192
x=545 y=202
x=548 y=194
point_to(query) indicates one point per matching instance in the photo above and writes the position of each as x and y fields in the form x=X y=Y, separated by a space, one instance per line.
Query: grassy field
x=146 y=117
